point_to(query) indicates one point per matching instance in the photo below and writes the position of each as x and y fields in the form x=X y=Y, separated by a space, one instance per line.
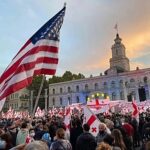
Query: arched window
x=53 y=91
x=145 y=79
x=96 y=86
x=86 y=87
x=113 y=96
x=86 y=98
x=121 y=83
x=69 y=89
x=122 y=95
x=53 y=100
x=133 y=93
x=105 y=85
x=113 y=84
x=69 y=100
x=77 y=88
x=132 y=80
x=126 y=84
x=61 y=90
x=61 y=102
x=105 y=95
x=77 y=99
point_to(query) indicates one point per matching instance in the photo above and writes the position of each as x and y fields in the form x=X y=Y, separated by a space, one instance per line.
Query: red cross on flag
x=91 y=120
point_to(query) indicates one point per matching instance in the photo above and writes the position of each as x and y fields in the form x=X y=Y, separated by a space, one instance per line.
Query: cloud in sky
x=87 y=33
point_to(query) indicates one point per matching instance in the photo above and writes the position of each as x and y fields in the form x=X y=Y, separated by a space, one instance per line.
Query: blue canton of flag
x=50 y=30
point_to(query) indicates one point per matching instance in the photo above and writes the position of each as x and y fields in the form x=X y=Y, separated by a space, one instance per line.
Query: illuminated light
x=97 y=94
x=102 y=95
x=107 y=97
x=92 y=96
x=88 y=99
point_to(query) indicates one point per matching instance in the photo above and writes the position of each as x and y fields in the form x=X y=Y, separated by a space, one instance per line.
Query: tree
x=35 y=85
x=67 y=76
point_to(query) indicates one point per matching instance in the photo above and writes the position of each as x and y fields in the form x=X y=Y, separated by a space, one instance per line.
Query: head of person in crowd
x=60 y=133
x=86 y=128
x=24 y=125
x=32 y=132
x=5 y=141
x=103 y=146
x=109 y=124
x=102 y=128
x=1 y=128
x=109 y=139
x=118 y=139
x=36 y=145
x=147 y=146
x=46 y=138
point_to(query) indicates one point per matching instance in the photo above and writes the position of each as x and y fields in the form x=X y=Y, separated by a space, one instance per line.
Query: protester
x=103 y=146
x=86 y=140
x=60 y=143
x=22 y=134
x=102 y=133
x=36 y=145
x=118 y=139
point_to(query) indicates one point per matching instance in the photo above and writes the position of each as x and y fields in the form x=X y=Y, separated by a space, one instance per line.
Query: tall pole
x=31 y=102
x=38 y=96
x=46 y=101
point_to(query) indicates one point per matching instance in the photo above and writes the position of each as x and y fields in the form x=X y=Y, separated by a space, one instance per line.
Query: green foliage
x=36 y=82
x=67 y=76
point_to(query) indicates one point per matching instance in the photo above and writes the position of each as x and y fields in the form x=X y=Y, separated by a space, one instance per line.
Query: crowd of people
x=116 y=132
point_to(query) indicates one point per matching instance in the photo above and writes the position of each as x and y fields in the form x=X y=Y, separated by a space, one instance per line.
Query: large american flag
x=39 y=55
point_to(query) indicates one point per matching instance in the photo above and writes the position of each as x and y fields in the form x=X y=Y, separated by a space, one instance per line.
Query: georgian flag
x=91 y=120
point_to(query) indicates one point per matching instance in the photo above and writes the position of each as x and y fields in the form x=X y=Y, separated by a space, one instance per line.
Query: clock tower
x=119 y=61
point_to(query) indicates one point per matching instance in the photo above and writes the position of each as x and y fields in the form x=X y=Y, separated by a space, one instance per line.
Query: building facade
x=117 y=83
x=18 y=101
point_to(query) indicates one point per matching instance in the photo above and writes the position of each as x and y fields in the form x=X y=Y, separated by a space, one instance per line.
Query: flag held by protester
x=39 y=55
x=91 y=119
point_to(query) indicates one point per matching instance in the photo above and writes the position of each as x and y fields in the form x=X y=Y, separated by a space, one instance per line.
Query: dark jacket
x=86 y=141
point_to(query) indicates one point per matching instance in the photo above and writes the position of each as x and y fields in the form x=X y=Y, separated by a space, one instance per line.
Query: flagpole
x=38 y=96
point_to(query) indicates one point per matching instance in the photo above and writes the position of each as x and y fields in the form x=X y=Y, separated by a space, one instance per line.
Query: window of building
x=69 y=89
x=86 y=97
x=53 y=100
x=121 y=83
x=61 y=90
x=113 y=96
x=133 y=93
x=96 y=86
x=105 y=85
x=132 y=81
x=145 y=79
x=53 y=91
x=113 y=84
x=61 y=102
x=77 y=88
x=105 y=95
x=69 y=100
x=122 y=95
x=86 y=87
x=77 y=99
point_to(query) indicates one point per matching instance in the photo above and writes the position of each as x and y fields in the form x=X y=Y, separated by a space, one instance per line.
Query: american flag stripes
x=38 y=56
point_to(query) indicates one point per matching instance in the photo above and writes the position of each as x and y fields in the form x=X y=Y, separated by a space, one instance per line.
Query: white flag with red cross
x=91 y=119
x=67 y=117
x=135 y=113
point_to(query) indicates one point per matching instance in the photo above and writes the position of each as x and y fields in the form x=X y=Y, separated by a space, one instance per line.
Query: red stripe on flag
x=34 y=50
x=45 y=71
x=31 y=65
x=17 y=86
x=91 y=120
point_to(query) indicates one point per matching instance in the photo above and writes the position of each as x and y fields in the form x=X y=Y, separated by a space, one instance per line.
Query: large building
x=117 y=83
x=18 y=101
